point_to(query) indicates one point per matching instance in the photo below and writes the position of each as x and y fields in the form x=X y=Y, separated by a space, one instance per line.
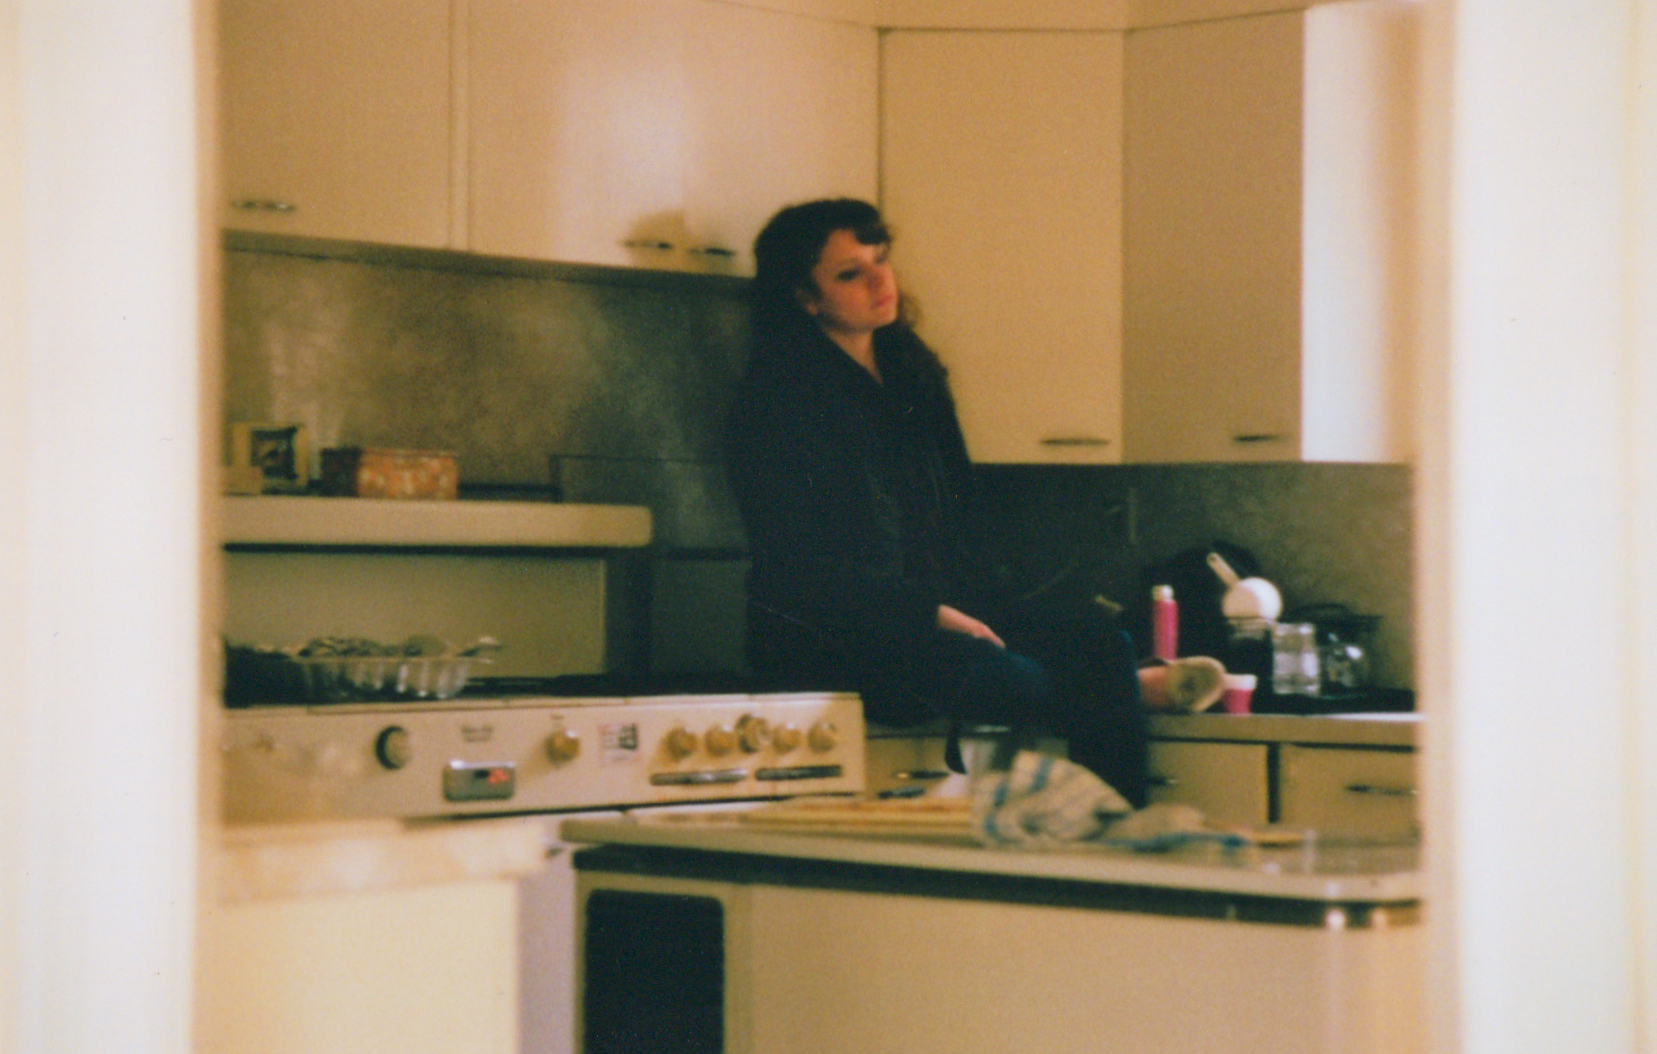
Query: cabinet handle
x=711 y=250
x=921 y=774
x=1075 y=441
x=264 y=205
x=1259 y=437
x=1380 y=792
x=646 y=243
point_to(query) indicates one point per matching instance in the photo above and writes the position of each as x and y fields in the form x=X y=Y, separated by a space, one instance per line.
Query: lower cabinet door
x=905 y=765
x=1228 y=782
x=1344 y=790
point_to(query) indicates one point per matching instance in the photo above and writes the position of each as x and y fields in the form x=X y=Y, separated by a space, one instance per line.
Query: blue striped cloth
x=1044 y=801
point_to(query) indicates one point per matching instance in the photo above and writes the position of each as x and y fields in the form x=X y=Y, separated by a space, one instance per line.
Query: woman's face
x=856 y=290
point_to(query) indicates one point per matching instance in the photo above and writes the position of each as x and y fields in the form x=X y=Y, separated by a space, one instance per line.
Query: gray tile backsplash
x=505 y=368
x=624 y=379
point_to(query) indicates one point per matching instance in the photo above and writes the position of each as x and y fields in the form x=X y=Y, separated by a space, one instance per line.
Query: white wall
x=102 y=276
x=1538 y=539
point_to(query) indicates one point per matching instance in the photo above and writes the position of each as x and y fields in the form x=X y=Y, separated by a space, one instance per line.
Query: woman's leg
x=1087 y=694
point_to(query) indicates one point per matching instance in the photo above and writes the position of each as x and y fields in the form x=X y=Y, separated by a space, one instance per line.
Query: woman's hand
x=959 y=622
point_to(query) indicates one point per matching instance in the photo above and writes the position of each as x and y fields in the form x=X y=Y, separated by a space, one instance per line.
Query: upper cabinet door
x=1213 y=295
x=783 y=109
x=337 y=118
x=1002 y=175
x=576 y=126
x=659 y=133
x=1270 y=277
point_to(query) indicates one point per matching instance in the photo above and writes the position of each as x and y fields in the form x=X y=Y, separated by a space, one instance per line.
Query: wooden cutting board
x=924 y=813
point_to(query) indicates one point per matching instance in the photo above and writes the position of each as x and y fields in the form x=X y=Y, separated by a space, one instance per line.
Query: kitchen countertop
x=285 y=861
x=316 y=521
x=1353 y=730
x=1334 y=872
x=1350 y=730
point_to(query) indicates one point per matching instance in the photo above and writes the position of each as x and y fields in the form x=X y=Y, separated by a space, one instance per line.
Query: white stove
x=536 y=753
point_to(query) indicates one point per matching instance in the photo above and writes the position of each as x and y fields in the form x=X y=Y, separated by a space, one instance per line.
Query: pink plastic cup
x=1239 y=690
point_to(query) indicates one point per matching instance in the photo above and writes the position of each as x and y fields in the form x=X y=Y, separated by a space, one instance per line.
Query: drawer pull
x=1380 y=792
x=263 y=205
x=1258 y=437
x=921 y=774
x=1075 y=441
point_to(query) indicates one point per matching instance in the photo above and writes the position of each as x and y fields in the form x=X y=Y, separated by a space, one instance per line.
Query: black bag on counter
x=1203 y=629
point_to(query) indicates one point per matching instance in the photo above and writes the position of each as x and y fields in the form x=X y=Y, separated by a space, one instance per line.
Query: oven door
x=660 y=965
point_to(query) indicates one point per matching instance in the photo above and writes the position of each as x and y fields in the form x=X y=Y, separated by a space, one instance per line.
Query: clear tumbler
x=1295 y=659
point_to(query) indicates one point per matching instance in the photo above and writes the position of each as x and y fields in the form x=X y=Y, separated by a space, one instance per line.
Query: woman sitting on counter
x=852 y=477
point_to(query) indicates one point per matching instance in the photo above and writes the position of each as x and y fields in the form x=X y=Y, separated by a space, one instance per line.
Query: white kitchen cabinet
x=337 y=119
x=647 y=133
x=367 y=938
x=1229 y=782
x=1335 y=775
x=659 y=133
x=1341 y=790
x=1267 y=285
x=1062 y=14
x=1176 y=243
x=1002 y=174
x=782 y=109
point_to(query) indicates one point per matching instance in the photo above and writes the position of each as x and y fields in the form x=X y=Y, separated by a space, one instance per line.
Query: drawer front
x=1338 y=790
x=904 y=765
x=1226 y=781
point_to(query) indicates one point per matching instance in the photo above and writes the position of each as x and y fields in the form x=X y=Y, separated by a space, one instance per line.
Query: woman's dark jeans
x=1078 y=682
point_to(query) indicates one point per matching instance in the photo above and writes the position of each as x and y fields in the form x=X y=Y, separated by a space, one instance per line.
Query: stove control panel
x=397 y=761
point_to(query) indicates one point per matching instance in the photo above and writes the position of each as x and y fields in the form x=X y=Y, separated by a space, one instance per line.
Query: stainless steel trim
x=801 y=772
x=701 y=777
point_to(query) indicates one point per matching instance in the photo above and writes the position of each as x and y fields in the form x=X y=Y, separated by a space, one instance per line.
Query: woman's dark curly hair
x=786 y=252
x=788 y=249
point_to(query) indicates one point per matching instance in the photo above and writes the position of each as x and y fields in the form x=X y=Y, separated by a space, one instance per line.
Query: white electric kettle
x=1246 y=598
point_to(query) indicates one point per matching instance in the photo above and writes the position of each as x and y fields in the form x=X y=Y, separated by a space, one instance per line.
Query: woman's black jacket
x=854 y=496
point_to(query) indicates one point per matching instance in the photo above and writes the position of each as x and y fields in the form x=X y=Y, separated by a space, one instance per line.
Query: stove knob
x=753 y=733
x=563 y=745
x=720 y=741
x=393 y=748
x=784 y=738
x=824 y=737
x=681 y=743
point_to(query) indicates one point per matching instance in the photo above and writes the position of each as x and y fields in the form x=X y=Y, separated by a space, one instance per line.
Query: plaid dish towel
x=1043 y=800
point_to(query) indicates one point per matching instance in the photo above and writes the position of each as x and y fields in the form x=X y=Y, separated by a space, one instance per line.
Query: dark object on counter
x=260 y=675
x=1363 y=701
x=1203 y=628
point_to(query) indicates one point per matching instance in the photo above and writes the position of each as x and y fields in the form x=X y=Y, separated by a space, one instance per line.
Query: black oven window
x=655 y=974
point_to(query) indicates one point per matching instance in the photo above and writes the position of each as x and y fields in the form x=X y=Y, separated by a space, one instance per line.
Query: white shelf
x=481 y=524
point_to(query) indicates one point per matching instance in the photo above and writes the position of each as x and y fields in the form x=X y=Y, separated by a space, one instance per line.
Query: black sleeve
x=821 y=549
